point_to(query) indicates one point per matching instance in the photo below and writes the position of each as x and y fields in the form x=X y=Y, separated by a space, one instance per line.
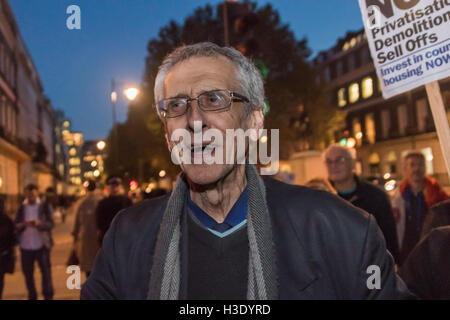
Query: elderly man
x=224 y=233
x=412 y=200
x=362 y=194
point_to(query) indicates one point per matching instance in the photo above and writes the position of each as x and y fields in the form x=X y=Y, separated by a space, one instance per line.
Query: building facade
x=26 y=117
x=74 y=142
x=382 y=130
x=93 y=155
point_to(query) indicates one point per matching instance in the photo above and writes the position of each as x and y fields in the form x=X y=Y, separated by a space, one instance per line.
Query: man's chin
x=205 y=174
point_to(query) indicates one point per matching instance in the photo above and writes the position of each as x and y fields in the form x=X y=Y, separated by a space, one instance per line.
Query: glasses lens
x=214 y=100
x=174 y=107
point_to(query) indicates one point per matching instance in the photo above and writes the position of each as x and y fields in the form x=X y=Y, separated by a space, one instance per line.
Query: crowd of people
x=31 y=230
x=415 y=221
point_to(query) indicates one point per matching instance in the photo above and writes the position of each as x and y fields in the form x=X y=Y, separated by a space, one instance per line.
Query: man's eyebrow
x=180 y=95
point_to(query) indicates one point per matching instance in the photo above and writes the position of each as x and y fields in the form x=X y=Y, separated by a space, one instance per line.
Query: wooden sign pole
x=440 y=120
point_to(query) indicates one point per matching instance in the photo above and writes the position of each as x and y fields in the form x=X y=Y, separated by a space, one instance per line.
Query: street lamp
x=130 y=93
x=101 y=145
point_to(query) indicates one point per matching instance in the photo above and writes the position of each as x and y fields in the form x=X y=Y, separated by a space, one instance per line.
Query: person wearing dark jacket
x=438 y=216
x=7 y=242
x=426 y=270
x=34 y=222
x=108 y=207
x=361 y=193
x=224 y=232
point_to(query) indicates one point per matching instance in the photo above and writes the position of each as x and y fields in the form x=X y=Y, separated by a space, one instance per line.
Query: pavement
x=15 y=288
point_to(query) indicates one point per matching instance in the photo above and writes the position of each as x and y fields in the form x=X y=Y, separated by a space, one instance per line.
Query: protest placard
x=409 y=41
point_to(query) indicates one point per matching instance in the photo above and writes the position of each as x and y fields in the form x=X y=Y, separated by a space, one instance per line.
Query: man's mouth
x=197 y=150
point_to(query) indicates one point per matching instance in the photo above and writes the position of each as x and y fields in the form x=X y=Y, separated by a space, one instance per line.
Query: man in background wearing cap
x=110 y=206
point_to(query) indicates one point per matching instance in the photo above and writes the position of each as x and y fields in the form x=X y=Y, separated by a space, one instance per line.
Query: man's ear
x=258 y=118
x=168 y=141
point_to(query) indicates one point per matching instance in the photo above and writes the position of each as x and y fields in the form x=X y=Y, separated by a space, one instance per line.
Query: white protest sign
x=409 y=41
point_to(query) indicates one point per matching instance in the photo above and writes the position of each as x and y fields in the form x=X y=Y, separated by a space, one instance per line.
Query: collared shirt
x=30 y=238
x=235 y=218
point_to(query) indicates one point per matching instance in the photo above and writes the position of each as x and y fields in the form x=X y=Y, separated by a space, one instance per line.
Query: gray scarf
x=262 y=274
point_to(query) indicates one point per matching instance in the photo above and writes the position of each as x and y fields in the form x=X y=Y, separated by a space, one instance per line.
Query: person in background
x=108 y=207
x=85 y=230
x=438 y=216
x=426 y=270
x=362 y=194
x=7 y=242
x=320 y=184
x=34 y=222
x=412 y=200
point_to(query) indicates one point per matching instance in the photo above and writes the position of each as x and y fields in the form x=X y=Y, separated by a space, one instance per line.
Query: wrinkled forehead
x=334 y=153
x=415 y=160
x=197 y=74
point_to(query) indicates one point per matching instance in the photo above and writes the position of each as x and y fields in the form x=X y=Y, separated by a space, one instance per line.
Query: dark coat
x=7 y=242
x=323 y=249
x=106 y=210
x=45 y=216
x=426 y=270
x=375 y=201
x=438 y=216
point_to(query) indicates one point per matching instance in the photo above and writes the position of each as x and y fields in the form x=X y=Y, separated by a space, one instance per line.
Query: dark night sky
x=76 y=66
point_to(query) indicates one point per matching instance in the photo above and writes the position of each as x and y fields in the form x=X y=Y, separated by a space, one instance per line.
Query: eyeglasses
x=215 y=100
x=338 y=160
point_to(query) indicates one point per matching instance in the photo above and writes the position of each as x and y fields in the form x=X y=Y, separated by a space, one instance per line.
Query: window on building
x=380 y=88
x=370 y=128
x=73 y=151
x=353 y=92
x=385 y=123
x=351 y=63
x=422 y=114
x=61 y=169
x=74 y=171
x=74 y=161
x=392 y=162
x=327 y=75
x=367 y=87
x=402 y=119
x=339 y=68
x=366 y=58
x=428 y=153
x=341 y=97
x=357 y=131
x=374 y=164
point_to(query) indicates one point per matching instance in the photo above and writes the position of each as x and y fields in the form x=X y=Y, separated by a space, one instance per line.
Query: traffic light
x=242 y=22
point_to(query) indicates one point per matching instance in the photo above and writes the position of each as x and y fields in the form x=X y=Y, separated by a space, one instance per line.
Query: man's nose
x=194 y=114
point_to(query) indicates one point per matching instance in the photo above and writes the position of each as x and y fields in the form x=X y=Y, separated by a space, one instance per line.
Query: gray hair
x=413 y=154
x=337 y=146
x=250 y=80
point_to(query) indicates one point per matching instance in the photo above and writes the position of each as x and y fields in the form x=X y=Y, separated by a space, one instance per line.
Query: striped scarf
x=262 y=273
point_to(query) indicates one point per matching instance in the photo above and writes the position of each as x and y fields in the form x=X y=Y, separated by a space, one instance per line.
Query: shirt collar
x=237 y=214
x=38 y=201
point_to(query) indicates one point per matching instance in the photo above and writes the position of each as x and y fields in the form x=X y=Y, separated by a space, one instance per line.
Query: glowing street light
x=131 y=93
x=162 y=173
x=101 y=145
x=351 y=143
